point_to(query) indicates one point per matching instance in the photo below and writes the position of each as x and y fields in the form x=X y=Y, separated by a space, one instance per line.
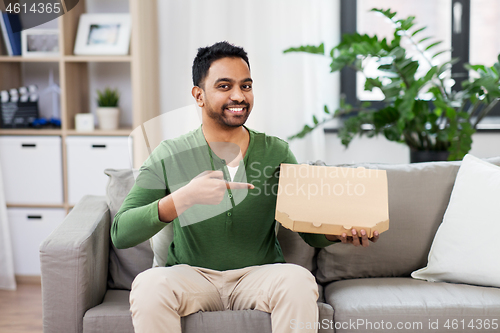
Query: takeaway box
x=332 y=200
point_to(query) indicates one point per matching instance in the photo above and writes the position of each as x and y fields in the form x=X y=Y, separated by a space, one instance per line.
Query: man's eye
x=247 y=86
x=223 y=86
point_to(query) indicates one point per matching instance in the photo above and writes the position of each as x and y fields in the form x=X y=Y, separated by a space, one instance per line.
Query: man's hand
x=355 y=239
x=209 y=188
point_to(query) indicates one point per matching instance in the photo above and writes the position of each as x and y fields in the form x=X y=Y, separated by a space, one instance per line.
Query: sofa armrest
x=74 y=266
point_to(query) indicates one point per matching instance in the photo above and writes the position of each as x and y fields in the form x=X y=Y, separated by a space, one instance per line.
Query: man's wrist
x=332 y=238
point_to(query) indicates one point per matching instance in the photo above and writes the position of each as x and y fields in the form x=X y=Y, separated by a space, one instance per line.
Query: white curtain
x=288 y=88
x=7 y=278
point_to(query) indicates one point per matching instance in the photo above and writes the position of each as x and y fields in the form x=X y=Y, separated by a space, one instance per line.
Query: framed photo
x=40 y=43
x=103 y=34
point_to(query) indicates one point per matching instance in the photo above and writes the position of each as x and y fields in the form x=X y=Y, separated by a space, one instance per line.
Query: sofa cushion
x=113 y=315
x=124 y=264
x=369 y=302
x=418 y=197
x=468 y=236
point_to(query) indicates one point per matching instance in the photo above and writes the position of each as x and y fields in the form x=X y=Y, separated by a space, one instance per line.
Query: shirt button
x=223 y=161
x=230 y=196
x=228 y=213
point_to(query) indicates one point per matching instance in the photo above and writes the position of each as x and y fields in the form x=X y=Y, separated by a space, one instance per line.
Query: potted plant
x=422 y=112
x=108 y=111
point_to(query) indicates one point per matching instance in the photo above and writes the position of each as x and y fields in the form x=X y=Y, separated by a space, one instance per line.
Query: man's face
x=227 y=94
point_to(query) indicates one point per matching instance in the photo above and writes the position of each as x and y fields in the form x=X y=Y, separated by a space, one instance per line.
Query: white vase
x=108 y=117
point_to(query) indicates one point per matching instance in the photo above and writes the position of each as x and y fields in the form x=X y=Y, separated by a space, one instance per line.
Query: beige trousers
x=161 y=296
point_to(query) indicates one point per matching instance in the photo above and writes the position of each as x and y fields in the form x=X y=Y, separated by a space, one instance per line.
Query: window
x=465 y=26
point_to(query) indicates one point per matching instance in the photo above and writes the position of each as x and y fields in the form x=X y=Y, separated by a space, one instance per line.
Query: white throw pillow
x=466 y=248
x=160 y=243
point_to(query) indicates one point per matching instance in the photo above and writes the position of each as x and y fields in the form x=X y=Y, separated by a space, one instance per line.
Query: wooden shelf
x=75 y=58
x=76 y=74
x=98 y=132
x=29 y=131
x=36 y=206
x=4 y=58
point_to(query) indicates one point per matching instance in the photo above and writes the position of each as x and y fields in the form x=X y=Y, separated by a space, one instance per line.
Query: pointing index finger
x=237 y=186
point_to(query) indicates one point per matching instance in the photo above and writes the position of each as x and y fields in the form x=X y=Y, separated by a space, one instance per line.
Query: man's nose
x=237 y=95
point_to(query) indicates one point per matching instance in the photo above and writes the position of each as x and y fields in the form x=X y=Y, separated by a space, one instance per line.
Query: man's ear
x=198 y=95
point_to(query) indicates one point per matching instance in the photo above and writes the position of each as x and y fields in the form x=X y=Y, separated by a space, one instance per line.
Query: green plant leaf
x=326 y=110
x=423 y=40
x=433 y=45
x=418 y=30
x=439 y=53
x=320 y=49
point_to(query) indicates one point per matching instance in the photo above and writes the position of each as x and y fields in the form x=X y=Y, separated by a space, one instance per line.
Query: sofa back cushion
x=418 y=196
x=124 y=264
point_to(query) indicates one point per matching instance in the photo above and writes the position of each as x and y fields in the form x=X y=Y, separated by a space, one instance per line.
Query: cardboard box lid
x=332 y=200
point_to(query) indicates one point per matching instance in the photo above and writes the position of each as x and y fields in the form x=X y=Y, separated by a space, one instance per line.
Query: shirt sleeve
x=138 y=220
x=314 y=240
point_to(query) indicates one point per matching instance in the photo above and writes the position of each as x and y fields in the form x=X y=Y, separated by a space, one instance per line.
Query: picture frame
x=103 y=34
x=40 y=43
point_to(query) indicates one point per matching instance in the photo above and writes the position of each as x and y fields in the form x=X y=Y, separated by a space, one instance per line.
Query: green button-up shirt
x=237 y=233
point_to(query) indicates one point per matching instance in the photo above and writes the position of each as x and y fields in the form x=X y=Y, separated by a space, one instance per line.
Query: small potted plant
x=108 y=111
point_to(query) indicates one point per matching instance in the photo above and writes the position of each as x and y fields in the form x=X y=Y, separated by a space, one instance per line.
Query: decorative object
x=103 y=34
x=108 y=111
x=465 y=248
x=420 y=111
x=40 y=43
x=84 y=122
x=55 y=92
x=18 y=107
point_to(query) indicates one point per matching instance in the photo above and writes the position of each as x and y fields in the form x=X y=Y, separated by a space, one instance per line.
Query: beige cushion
x=418 y=197
x=124 y=264
x=466 y=247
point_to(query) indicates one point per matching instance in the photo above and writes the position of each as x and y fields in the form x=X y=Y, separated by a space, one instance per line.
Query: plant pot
x=108 y=117
x=417 y=156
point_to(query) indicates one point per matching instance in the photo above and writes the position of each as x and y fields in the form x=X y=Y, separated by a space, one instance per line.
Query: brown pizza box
x=332 y=200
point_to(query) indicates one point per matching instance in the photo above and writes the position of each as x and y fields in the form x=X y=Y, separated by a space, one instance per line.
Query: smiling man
x=209 y=184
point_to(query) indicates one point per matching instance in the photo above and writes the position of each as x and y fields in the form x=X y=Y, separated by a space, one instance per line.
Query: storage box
x=332 y=200
x=32 y=169
x=88 y=157
x=29 y=227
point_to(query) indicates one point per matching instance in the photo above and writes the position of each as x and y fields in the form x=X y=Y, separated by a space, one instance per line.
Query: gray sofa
x=86 y=281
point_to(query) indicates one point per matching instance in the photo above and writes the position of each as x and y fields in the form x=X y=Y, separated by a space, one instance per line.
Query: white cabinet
x=29 y=227
x=87 y=157
x=32 y=169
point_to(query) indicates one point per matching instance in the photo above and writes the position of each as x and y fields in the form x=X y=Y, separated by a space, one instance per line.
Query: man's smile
x=237 y=109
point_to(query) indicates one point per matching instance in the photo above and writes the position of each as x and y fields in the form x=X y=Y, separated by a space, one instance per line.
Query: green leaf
x=315 y=120
x=320 y=49
x=326 y=110
x=433 y=44
x=418 y=30
x=108 y=97
x=423 y=40
x=440 y=52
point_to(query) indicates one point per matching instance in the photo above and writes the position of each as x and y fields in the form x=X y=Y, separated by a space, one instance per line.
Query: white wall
x=288 y=88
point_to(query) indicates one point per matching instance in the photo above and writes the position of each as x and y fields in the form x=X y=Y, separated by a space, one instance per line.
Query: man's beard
x=231 y=121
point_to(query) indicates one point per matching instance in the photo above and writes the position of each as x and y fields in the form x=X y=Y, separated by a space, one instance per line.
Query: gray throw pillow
x=124 y=264
x=418 y=196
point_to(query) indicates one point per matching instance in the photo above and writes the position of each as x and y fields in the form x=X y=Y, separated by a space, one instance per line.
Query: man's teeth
x=235 y=109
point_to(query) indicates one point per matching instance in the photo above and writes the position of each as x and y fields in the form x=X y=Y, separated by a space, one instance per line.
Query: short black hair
x=207 y=55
